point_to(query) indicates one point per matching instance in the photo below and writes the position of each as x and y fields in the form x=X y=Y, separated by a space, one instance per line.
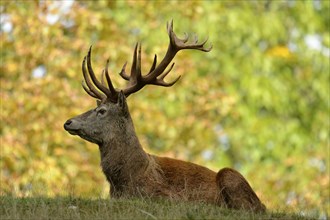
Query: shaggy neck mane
x=123 y=159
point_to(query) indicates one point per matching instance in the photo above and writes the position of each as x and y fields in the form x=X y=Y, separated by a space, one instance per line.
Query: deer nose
x=67 y=123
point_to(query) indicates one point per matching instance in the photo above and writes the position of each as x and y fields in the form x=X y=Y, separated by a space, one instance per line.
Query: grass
x=78 y=208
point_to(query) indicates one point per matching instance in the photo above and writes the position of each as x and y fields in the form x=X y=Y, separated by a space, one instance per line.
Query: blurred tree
x=259 y=102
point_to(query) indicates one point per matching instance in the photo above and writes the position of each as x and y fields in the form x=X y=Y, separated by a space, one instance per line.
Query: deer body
x=136 y=172
x=131 y=171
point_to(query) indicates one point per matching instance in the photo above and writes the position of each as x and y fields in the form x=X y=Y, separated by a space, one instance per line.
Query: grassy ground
x=77 y=208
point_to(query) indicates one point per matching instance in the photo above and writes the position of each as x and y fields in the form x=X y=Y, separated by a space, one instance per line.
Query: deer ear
x=122 y=103
x=98 y=102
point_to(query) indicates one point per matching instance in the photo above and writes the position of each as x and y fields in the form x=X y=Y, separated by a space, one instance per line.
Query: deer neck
x=123 y=158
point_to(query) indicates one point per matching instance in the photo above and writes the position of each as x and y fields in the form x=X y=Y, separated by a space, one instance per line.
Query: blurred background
x=258 y=102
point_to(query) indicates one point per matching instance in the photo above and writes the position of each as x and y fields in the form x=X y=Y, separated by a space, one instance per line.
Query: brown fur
x=132 y=172
x=236 y=192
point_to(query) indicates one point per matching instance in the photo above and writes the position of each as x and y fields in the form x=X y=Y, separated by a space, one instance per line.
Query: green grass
x=78 y=208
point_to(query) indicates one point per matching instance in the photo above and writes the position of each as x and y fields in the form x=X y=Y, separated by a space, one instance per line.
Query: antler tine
x=160 y=81
x=93 y=77
x=92 y=91
x=136 y=65
x=123 y=72
x=102 y=77
x=199 y=46
x=154 y=63
x=134 y=60
x=167 y=72
x=165 y=84
x=113 y=91
x=89 y=92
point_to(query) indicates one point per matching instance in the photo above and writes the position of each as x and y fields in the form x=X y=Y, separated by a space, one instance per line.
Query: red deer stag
x=131 y=171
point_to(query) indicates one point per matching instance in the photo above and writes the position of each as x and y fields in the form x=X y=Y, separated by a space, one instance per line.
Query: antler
x=110 y=92
x=136 y=80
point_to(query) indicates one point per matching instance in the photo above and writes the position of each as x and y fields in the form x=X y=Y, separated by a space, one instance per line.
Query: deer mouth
x=76 y=132
x=73 y=132
x=81 y=134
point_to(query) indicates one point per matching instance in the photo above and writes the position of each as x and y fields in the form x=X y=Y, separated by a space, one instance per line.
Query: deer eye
x=102 y=111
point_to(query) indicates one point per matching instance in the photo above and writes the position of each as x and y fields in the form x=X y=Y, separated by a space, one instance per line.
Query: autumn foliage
x=257 y=103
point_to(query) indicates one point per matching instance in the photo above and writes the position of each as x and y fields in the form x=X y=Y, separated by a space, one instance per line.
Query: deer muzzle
x=71 y=127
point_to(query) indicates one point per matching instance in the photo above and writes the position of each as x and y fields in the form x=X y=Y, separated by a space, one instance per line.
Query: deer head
x=111 y=117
